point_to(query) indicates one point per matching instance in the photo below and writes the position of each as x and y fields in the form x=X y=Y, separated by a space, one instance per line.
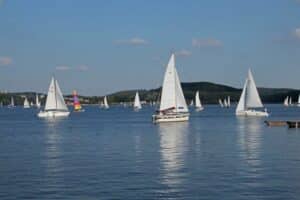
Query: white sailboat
x=26 y=103
x=298 y=101
x=105 y=103
x=198 y=104
x=221 y=103
x=137 y=103
x=173 y=107
x=250 y=99
x=228 y=101
x=55 y=103
x=192 y=103
x=12 y=103
x=286 y=101
x=37 y=101
x=290 y=101
x=225 y=103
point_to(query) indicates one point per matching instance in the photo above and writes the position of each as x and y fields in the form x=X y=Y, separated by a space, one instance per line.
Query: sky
x=99 y=47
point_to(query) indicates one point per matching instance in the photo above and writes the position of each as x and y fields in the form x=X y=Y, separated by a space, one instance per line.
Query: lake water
x=120 y=154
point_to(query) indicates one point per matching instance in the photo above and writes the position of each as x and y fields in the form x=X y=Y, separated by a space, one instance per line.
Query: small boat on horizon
x=37 y=101
x=250 y=100
x=76 y=103
x=26 y=103
x=137 y=103
x=198 y=104
x=105 y=103
x=12 y=103
x=55 y=103
x=173 y=107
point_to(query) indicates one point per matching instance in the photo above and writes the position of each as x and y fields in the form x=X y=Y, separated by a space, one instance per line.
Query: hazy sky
x=99 y=47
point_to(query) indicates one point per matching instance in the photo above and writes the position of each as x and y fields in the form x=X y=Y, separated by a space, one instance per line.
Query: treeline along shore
x=209 y=94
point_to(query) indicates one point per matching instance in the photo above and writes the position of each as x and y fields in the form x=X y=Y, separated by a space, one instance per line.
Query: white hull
x=46 y=114
x=252 y=113
x=170 y=118
x=198 y=109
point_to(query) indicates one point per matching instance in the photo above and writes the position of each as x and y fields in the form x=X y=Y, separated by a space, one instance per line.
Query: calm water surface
x=120 y=154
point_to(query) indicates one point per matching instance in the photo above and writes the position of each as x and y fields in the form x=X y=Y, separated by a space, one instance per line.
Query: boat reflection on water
x=173 y=148
x=249 y=140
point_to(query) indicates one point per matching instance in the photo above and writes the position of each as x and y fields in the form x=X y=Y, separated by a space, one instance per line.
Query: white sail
x=221 y=103
x=228 y=101
x=172 y=95
x=26 y=103
x=137 y=103
x=192 y=103
x=12 y=102
x=299 y=99
x=225 y=103
x=55 y=100
x=197 y=100
x=252 y=97
x=290 y=101
x=37 y=101
x=242 y=104
x=286 y=101
x=105 y=103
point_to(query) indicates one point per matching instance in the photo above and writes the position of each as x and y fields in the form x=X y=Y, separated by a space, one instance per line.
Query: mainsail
x=197 y=100
x=172 y=97
x=137 y=103
x=55 y=99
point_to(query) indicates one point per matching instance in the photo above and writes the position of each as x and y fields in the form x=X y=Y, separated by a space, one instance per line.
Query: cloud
x=5 y=60
x=183 y=53
x=83 y=68
x=209 y=42
x=296 y=33
x=63 y=68
x=133 y=41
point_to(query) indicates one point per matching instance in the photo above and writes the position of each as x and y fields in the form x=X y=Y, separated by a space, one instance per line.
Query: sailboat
x=192 y=103
x=250 y=99
x=105 y=103
x=198 y=104
x=298 y=101
x=137 y=103
x=173 y=107
x=221 y=103
x=225 y=103
x=286 y=101
x=26 y=103
x=290 y=101
x=55 y=103
x=12 y=103
x=37 y=101
x=228 y=101
x=76 y=103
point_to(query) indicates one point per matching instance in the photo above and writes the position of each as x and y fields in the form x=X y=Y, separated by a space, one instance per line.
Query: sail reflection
x=250 y=139
x=173 y=145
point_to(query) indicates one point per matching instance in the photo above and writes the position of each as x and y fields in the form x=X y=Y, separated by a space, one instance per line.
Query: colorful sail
x=76 y=102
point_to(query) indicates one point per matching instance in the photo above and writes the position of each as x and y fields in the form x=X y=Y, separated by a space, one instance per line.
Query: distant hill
x=209 y=94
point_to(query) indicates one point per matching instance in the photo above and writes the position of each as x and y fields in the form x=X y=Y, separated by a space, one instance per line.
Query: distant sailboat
x=173 y=107
x=55 y=103
x=221 y=103
x=192 y=103
x=286 y=101
x=105 y=103
x=198 y=104
x=137 y=103
x=31 y=104
x=290 y=101
x=228 y=101
x=26 y=103
x=76 y=103
x=250 y=99
x=37 y=101
x=298 y=101
x=225 y=103
x=12 y=103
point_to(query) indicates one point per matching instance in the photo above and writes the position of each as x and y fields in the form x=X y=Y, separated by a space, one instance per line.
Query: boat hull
x=159 y=118
x=198 y=109
x=252 y=113
x=51 y=114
